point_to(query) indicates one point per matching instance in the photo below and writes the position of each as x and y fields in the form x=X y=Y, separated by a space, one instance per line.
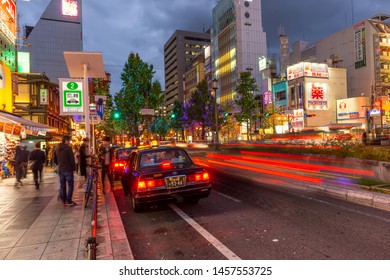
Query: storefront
x=13 y=131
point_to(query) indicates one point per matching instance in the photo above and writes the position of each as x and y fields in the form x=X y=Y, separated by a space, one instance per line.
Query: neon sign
x=70 y=8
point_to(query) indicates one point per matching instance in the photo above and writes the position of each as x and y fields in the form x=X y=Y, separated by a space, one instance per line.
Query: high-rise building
x=179 y=51
x=238 y=43
x=59 y=29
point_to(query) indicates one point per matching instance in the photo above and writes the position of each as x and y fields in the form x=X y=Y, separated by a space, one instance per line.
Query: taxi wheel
x=136 y=207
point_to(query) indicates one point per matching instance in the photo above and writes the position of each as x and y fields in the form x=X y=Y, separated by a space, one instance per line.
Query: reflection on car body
x=164 y=174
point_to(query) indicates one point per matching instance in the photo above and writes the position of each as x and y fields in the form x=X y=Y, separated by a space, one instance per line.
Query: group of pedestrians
x=23 y=159
x=65 y=158
x=68 y=161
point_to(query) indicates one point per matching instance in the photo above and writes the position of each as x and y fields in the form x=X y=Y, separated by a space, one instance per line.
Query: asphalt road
x=251 y=220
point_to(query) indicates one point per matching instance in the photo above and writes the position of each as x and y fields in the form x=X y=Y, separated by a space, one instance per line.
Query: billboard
x=308 y=69
x=360 y=45
x=8 y=19
x=70 y=8
x=317 y=96
x=23 y=62
x=5 y=88
x=352 y=108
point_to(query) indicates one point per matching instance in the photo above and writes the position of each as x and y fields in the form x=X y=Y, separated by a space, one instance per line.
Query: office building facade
x=238 y=44
x=179 y=52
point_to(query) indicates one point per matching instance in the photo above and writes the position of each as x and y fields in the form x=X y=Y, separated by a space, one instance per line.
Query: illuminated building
x=179 y=51
x=59 y=29
x=238 y=42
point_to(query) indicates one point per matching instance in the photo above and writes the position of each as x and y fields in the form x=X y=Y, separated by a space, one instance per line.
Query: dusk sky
x=118 y=27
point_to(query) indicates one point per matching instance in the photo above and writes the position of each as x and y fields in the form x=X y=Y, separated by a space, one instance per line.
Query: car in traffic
x=164 y=174
x=119 y=158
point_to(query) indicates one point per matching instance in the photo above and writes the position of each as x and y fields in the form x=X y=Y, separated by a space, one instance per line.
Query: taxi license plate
x=175 y=182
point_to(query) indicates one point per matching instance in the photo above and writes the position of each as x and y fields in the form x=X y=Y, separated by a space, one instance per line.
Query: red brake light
x=150 y=183
x=166 y=165
x=202 y=177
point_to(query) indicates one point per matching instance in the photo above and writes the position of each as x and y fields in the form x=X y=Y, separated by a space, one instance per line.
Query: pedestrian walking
x=39 y=158
x=25 y=155
x=104 y=157
x=83 y=158
x=64 y=158
x=18 y=166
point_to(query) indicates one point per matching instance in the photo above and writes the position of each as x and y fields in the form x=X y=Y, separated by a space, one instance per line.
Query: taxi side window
x=133 y=161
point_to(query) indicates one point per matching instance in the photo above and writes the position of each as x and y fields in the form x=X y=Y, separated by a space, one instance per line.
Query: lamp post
x=214 y=85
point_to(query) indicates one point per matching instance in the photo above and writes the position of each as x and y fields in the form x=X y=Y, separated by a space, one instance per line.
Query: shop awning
x=7 y=117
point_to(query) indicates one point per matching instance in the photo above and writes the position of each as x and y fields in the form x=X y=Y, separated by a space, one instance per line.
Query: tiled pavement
x=34 y=225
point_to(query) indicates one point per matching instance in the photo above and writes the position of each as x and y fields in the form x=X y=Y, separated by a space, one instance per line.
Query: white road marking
x=213 y=241
x=228 y=197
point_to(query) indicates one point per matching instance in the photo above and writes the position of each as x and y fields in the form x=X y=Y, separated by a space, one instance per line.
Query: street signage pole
x=86 y=65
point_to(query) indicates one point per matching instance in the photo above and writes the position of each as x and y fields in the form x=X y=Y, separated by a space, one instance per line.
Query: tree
x=177 y=118
x=160 y=126
x=246 y=102
x=200 y=108
x=135 y=92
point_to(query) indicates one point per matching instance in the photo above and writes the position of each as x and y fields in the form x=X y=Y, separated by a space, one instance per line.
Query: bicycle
x=91 y=182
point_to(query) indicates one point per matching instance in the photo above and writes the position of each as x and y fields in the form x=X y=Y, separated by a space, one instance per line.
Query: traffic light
x=173 y=116
x=226 y=114
x=267 y=114
x=116 y=115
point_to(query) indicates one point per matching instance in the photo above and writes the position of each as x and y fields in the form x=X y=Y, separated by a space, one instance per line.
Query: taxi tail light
x=144 y=184
x=200 y=177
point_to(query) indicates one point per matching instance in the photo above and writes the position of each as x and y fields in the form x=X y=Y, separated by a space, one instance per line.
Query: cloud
x=119 y=27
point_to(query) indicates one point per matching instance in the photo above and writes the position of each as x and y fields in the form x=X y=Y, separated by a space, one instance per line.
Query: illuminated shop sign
x=267 y=97
x=351 y=108
x=360 y=45
x=70 y=8
x=317 y=96
x=308 y=69
x=8 y=19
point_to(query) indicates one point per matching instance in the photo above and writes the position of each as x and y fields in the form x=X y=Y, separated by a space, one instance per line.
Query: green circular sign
x=72 y=85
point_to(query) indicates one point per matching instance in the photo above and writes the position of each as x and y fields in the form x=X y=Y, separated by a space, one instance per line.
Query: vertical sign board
x=360 y=45
x=71 y=97
x=43 y=96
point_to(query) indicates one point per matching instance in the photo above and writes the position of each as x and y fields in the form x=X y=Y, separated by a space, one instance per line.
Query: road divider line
x=208 y=236
x=228 y=197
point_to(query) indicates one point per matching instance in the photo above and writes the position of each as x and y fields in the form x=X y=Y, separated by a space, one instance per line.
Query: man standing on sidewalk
x=39 y=158
x=104 y=157
x=64 y=158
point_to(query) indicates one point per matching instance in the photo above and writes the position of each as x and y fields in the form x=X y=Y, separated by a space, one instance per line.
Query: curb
x=376 y=200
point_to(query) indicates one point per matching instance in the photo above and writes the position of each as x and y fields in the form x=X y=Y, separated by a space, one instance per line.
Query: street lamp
x=214 y=85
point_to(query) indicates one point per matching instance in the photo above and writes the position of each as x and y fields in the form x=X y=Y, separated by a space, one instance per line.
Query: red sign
x=8 y=18
x=8 y=128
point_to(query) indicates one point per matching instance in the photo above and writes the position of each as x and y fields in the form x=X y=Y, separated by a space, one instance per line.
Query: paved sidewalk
x=34 y=225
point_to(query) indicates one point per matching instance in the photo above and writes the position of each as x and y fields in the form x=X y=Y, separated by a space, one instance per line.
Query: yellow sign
x=5 y=88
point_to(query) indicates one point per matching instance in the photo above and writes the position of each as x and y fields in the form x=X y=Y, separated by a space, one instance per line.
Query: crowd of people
x=66 y=159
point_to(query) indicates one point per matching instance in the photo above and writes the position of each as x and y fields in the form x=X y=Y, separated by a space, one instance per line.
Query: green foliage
x=160 y=127
x=200 y=110
x=246 y=101
x=136 y=93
